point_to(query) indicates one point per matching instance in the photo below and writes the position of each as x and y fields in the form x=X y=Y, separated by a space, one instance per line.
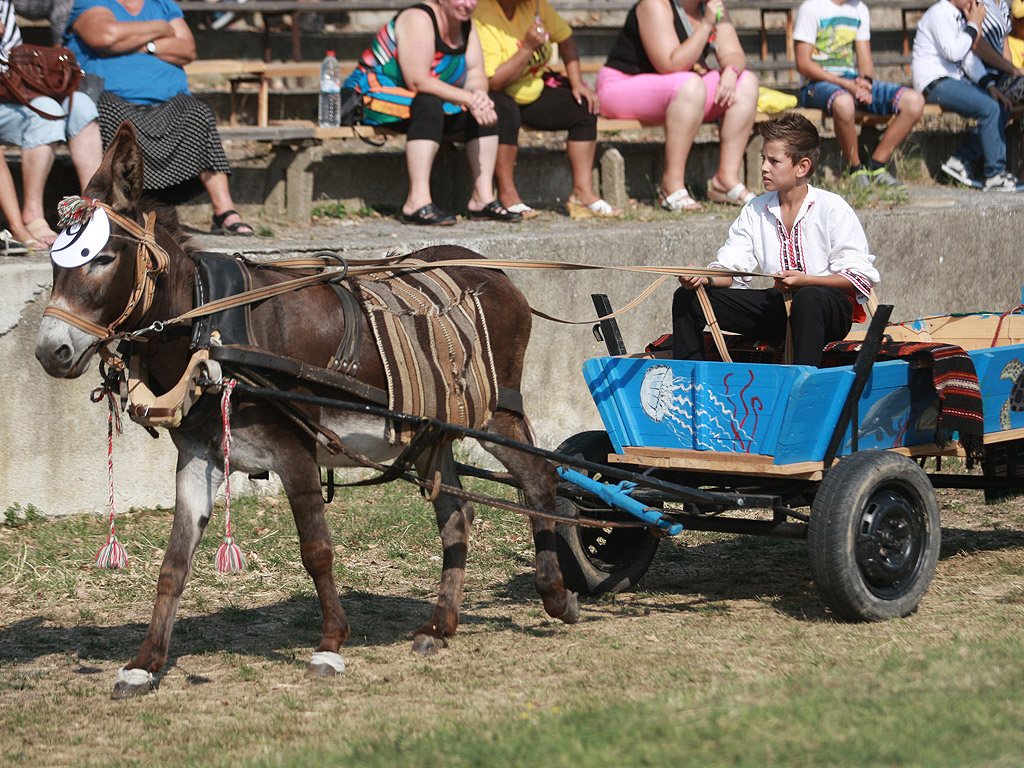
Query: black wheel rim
x=612 y=549
x=891 y=538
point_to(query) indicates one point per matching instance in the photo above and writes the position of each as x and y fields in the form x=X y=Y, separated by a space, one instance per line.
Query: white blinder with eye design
x=78 y=244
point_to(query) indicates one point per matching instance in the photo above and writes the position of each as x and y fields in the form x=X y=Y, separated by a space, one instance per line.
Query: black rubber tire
x=874 y=536
x=599 y=560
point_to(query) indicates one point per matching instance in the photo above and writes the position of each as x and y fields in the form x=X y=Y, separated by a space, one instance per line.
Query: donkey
x=306 y=325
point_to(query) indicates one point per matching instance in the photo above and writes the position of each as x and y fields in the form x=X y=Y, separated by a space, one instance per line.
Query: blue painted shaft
x=618 y=496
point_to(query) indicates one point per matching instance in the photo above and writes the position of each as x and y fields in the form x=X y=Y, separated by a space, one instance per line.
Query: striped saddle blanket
x=433 y=338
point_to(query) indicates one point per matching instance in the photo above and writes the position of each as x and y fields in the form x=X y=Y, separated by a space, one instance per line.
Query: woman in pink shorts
x=662 y=70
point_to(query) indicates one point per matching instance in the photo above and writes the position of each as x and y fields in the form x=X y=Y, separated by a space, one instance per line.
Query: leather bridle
x=151 y=260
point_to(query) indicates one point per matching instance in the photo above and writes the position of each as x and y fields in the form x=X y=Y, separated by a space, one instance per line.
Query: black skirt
x=179 y=139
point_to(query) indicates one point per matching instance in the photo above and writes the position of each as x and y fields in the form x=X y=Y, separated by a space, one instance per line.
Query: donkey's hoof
x=131 y=683
x=325 y=664
x=572 y=609
x=427 y=645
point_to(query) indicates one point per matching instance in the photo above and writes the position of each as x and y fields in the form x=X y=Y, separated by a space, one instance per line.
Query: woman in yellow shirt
x=517 y=37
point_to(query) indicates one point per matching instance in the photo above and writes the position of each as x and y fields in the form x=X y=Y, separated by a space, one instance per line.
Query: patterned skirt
x=179 y=139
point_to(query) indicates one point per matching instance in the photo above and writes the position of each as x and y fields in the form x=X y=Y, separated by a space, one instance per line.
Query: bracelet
x=869 y=78
x=710 y=283
x=735 y=69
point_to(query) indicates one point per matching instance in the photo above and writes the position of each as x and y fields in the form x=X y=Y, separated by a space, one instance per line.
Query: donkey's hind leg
x=454 y=517
x=301 y=480
x=196 y=482
x=537 y=479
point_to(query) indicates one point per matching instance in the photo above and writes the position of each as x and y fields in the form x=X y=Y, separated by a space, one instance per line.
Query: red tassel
x=111 y=554
x=229 y=557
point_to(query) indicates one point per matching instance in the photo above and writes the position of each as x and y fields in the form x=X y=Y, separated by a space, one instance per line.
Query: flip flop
x=11 y=247
x=495 y=211
x=599 y=208
x=41 y=231
x=429 y=216
x=237 y=228
x=738 y=195
x=678 y=201
x=523 y=210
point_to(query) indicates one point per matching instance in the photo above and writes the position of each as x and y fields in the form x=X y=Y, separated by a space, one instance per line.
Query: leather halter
x=150 y=260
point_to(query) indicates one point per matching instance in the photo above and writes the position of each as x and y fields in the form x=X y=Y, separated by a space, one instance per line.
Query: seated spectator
x=54 y=11
x=516 y=37
x=139 y=48
x=948 y=73
x=424 y=76
x=829 y=35
x=38 y=138
x=661 y=71
x=808 y=239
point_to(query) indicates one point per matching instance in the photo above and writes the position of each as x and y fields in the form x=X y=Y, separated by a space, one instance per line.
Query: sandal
x=523 y=210
x=738 y=195
x=495 y=211
x=41 y=231
x=599 y=208
x=429 y=216
x=238 y=228
x=11 y=247
x=679 y=201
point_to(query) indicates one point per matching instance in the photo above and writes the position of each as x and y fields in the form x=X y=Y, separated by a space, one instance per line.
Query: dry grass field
x=725 y=656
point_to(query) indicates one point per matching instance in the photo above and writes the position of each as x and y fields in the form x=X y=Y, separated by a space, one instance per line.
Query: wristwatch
x=151 y=47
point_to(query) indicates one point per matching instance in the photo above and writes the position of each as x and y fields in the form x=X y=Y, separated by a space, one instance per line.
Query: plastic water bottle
x=329 y=113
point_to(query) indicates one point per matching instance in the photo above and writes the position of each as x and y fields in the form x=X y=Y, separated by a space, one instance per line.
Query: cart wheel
x=598 y=560
x=874 y=536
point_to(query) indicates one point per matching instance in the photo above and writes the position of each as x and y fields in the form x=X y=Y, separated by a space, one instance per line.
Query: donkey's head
x=94 y=264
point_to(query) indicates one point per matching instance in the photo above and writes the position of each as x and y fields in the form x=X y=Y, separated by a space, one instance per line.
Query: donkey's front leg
x=454 y=517
x=196 y=483
x=301 y=482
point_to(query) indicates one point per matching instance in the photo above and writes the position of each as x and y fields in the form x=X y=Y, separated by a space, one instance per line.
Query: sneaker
x=881 y=177
x=955 y=169
x=861 y=178
x=1003 y=182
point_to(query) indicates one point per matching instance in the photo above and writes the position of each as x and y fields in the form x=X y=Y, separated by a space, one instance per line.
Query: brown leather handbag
x=37 y=70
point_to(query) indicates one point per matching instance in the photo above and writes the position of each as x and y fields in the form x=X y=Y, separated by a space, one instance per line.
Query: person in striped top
x=809 y=240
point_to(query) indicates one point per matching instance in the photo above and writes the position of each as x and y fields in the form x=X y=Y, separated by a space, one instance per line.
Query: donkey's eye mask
x=78 y=244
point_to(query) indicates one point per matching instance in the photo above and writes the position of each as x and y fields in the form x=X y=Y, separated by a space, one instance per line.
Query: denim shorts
x=885 y=97
x=22 y=127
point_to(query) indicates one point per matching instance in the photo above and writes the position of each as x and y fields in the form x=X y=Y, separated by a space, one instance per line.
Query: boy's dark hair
x=798 y=135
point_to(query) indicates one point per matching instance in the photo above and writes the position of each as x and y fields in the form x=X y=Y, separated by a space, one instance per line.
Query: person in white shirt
x=808 y=239
x=833 y=54
x=948 y=73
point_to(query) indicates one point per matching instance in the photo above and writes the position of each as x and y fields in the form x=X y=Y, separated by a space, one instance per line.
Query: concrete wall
x=948 y=251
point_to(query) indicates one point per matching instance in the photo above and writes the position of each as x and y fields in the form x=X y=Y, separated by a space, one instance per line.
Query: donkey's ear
x=119 y=177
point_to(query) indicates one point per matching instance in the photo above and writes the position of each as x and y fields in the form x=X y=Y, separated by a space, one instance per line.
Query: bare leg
x=482 y=154
x=682 y=121
x=454 y=518
x=217 y=188
x=196 y=483
x=419 y=159
x=843 y=111
x=581 y=160
x=911 y=106
x=9 y=204
x=734 y=133
x=86 y=149
x=36 y=163
x=504 y=174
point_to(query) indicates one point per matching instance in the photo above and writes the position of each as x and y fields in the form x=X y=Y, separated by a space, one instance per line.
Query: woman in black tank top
x=679 y=63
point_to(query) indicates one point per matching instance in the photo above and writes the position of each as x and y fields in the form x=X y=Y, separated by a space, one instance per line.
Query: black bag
x=351 y=107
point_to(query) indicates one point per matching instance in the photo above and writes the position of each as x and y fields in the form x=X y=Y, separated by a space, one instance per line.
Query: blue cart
x=835 y=456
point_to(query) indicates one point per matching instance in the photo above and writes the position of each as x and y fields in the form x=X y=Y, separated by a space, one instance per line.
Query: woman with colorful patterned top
x=424 y=76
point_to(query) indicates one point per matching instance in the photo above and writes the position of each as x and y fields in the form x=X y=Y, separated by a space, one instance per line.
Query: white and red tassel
x=112 y=554
x=229 y=555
